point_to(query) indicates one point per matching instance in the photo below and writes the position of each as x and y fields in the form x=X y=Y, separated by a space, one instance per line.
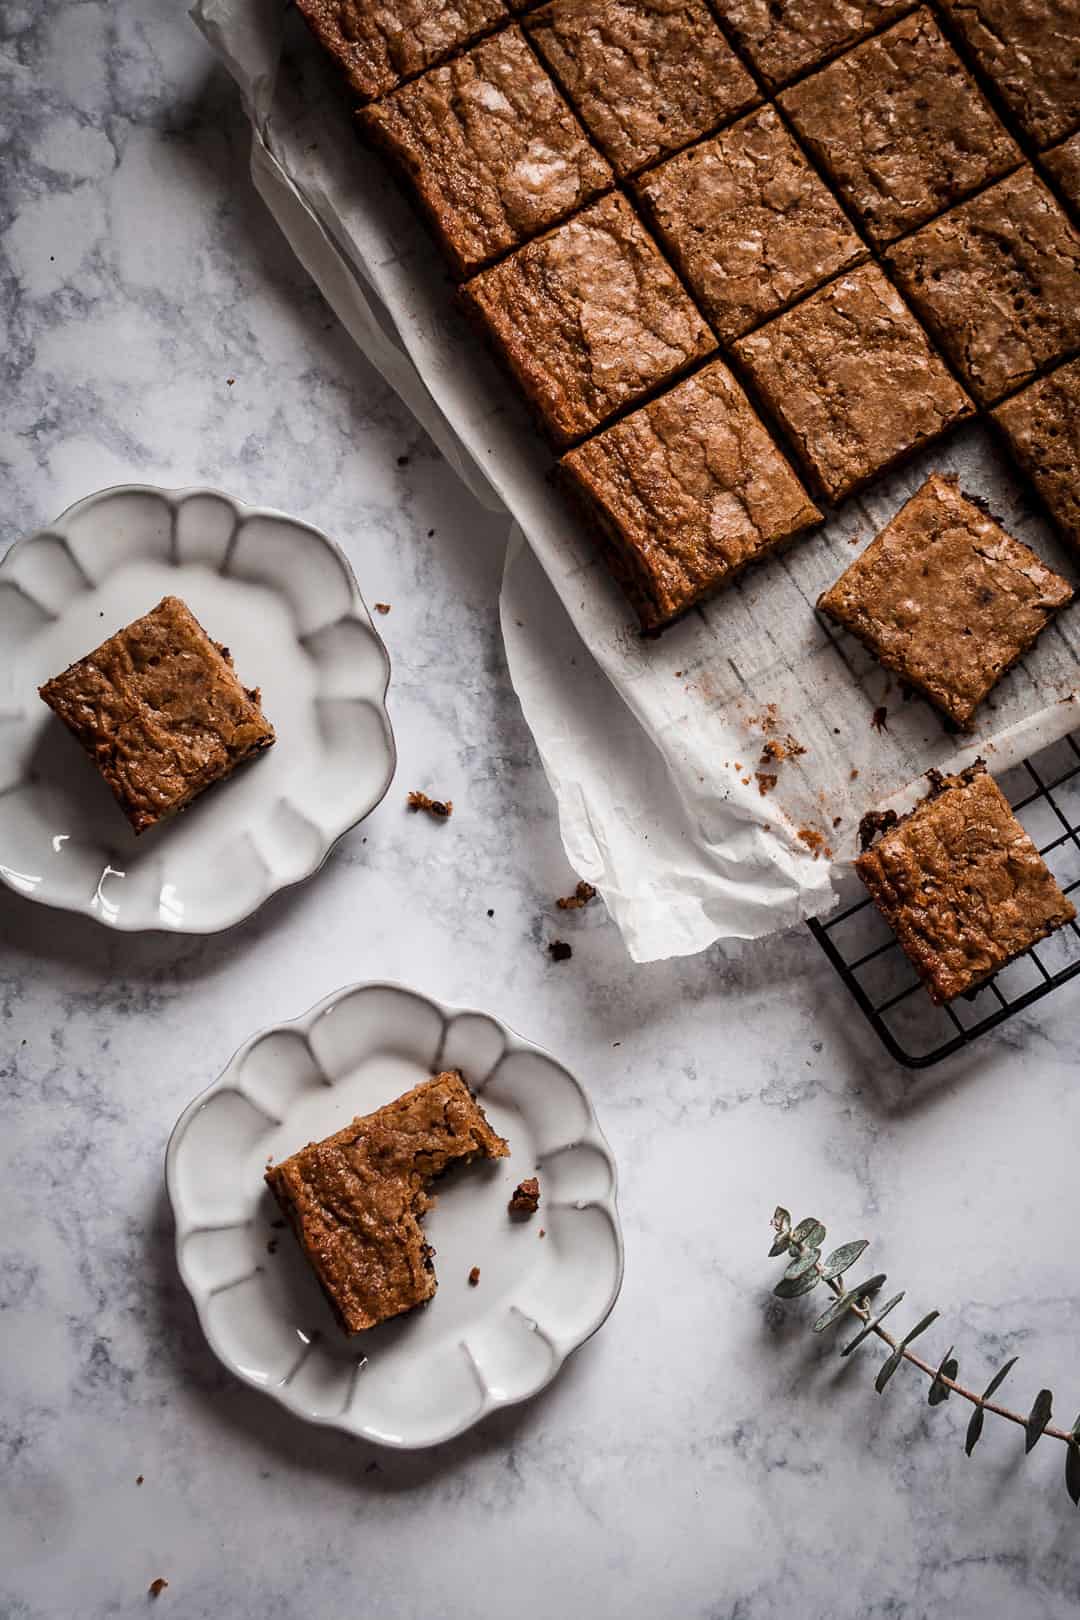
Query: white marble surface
x=703 y=1456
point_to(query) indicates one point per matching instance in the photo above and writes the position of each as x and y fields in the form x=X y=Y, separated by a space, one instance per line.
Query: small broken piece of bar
x=685 y=493
x=526 y=1198
x=587 y=318
x=492 y=151
x=1042 y=428
x=377 y=43
x=851 y=376
x=355 y=1200
x=160 y=711
x=962 y=885
x=946 y=598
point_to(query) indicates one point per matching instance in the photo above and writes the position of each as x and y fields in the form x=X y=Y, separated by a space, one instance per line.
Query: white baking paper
x=654 y=748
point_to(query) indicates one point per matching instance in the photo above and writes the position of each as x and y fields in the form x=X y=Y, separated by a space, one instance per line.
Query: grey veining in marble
x=703 y=1456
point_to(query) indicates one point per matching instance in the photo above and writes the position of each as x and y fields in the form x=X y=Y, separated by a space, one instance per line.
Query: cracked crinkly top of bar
x=491 y=147
x=784 y=37
x=962 y=885
x=377 y=43
x=852 y=377
x=749 y=223
x=646 y=76
x=355 y=1199
x=947 y=598
x=1031 y=50
x=588 y=318
x=688 y=490
x=997 y=280
x=900 y=127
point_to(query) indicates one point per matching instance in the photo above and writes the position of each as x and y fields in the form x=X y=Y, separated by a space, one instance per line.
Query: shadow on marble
x=172 y=1327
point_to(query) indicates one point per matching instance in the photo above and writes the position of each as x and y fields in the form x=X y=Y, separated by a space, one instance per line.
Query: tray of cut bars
x=763 y=323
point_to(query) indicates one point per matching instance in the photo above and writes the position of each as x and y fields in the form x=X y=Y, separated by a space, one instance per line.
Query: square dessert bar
x=748 y=222
x=355 y=1199
x=852 y=378
x=685 y=492
x=646 y=76
x=160 y=711
x=961 y=884
x=900 y=127
x=785 y=37
x=587 y=318
x=1042 y=427
x=997 y=281
x=946 y=598
x=378 y=43
x=1030 y=49
x=1062 y=163
x=492 y=151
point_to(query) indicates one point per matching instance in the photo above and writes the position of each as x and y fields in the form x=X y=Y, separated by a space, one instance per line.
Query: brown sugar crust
x=851 y=376
x=355 y=1200
x=1031 y=50
x=377 y=44
x=686 y=492
x=646 y=76
x=1042 y=426
x=946 y=598
x=1063 y=164
x=784 y=37
x=160 y=711
x=900 y=126
x=997 y=281
x=492 y=151
x=962 y=886
x=587 y=318
x=748 y=222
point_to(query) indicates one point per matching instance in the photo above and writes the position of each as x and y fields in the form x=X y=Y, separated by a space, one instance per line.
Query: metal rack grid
x=1045 y=795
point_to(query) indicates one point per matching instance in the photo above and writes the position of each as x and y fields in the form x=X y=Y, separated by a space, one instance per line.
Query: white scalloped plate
x=426 y=1376
x=282 y=597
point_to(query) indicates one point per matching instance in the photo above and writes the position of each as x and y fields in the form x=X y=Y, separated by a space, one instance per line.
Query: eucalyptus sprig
x=806 y=1269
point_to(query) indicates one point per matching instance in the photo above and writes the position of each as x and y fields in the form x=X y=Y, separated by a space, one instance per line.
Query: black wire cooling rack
x=1044 y=792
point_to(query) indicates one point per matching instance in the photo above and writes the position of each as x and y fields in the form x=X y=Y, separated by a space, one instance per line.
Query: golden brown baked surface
x=748 y=222
x=946 y=598
x=997 y=281
x=900 y=126
x=377 y=43
x=784 y=37
x=493 y=152
x=961 y=885
x=1031 y=50
x=685 y=492
x=646 y=76
x=1063 y=163
x=160 y=711
x=355 y=1199
x=587 y=318
x=1042 y=426
x=852 y=378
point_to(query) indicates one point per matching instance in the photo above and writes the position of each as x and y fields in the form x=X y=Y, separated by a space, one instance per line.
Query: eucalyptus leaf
x=810 y=1232
x=872 y=1324
x=780 y=1245
x=781 y=1217
x=1038 y=1418
x=948 y=1368
x=888 y=1368
x=792 y=1287
x=974 y=1430
x=999 y=1378
x=921 y=1327
x=843 y=1257
x=1072 y=1464
x=841 y=1306
x=803 y=1262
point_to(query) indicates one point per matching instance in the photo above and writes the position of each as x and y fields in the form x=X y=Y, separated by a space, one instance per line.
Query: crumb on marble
x=438 y=809
x=766 y=781
x=526 y=1198
x=474 y=1276
x=580 y=897
x=880 y=718
x=382 y=607
x=138 y=1479
x=157 y=1586
x=560 y=951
